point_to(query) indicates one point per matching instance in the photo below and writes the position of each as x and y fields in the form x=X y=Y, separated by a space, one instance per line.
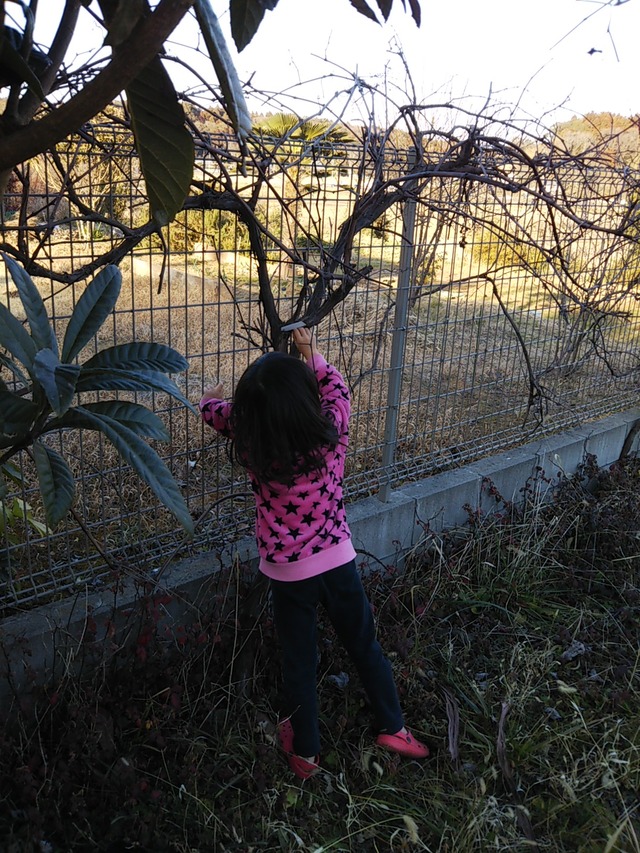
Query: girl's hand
x=303 y=339
x=213 y=392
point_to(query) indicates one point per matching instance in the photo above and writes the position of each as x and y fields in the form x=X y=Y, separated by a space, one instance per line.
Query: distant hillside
x=618 y=137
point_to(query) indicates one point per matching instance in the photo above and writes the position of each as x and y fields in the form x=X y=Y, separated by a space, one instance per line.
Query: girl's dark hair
x=278 y=425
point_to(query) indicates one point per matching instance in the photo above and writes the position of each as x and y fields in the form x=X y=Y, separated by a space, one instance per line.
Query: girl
x=288 y=426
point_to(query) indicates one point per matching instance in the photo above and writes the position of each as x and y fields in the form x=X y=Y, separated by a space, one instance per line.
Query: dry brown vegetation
x=501 y=333
x=515 y=643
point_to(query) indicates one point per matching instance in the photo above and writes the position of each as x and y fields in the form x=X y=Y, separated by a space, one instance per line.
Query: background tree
x=291 y=126
x=489 y=156
x=612 y=138
x=480 y=154
x=31 y=123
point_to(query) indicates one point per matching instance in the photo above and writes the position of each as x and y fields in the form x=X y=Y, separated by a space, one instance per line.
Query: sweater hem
x=309 y=567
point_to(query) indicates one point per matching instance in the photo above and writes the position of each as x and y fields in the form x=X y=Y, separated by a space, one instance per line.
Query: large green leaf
x=8 y=469
x=385 y=7
x=137 y=418
x=416 y=12
x=362 y=7
x=17 y=415
x=12 y=367
x=142 y=458
x=246 y=17
x=15 y=338
x=41 y=330
x=164 y=144
x=8 y=440
x=57 y=379
x=91 y=311
x=226 y=73
x=57 y=485
x=121 y=17
x=139 y=355
x=99 y=379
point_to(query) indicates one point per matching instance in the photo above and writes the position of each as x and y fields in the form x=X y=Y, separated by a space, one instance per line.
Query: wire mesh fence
x=487 y=335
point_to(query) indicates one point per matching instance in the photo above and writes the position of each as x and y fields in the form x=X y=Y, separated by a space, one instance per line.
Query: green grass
x=516 y=646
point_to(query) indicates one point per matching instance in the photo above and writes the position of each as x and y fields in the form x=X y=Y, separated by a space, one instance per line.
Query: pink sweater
x=301 y=528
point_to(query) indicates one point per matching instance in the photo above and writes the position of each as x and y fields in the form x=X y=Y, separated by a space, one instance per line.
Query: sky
x=554 y=58
x=463 y=48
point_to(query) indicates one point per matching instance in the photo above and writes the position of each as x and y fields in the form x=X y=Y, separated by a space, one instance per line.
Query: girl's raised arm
x=213 y=392
x=303 y=339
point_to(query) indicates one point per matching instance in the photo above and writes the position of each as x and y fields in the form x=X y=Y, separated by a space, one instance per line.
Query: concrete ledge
x=561 y=454
x=503 y=477
x=64 y=637
x=604 y=439
x=383 y=530
x=440 y=500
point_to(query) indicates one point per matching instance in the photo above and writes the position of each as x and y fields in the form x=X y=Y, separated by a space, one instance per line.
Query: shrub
x=46 y=379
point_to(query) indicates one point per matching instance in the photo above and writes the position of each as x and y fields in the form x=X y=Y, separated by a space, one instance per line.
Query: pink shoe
x=403 y=743
x=300 y=766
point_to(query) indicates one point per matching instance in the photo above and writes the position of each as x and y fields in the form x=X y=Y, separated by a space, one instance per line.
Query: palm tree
x=291 y=126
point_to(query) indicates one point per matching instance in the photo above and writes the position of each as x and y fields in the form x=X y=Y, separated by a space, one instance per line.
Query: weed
x=515 y=642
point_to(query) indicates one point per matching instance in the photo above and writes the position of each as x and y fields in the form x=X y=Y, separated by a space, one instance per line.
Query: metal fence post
x=399 y=339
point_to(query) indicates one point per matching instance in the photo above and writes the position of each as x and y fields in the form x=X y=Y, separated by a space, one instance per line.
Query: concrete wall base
x=62 y=638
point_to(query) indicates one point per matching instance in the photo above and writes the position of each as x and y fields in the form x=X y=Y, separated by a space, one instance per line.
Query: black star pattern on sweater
x=299 y=520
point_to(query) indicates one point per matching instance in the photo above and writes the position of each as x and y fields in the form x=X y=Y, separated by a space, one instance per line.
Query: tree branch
x=59 y=46
x=145 y=41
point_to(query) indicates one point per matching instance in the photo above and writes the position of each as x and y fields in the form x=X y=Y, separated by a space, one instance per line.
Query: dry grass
x=515 y=643
x=464 y=385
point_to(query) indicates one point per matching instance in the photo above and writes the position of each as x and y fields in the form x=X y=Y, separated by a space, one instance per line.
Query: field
x=499 y=337
x=516 y=645
x=499 y=342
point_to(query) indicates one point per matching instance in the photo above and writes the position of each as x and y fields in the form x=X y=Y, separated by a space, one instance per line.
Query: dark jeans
x=295 y=608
